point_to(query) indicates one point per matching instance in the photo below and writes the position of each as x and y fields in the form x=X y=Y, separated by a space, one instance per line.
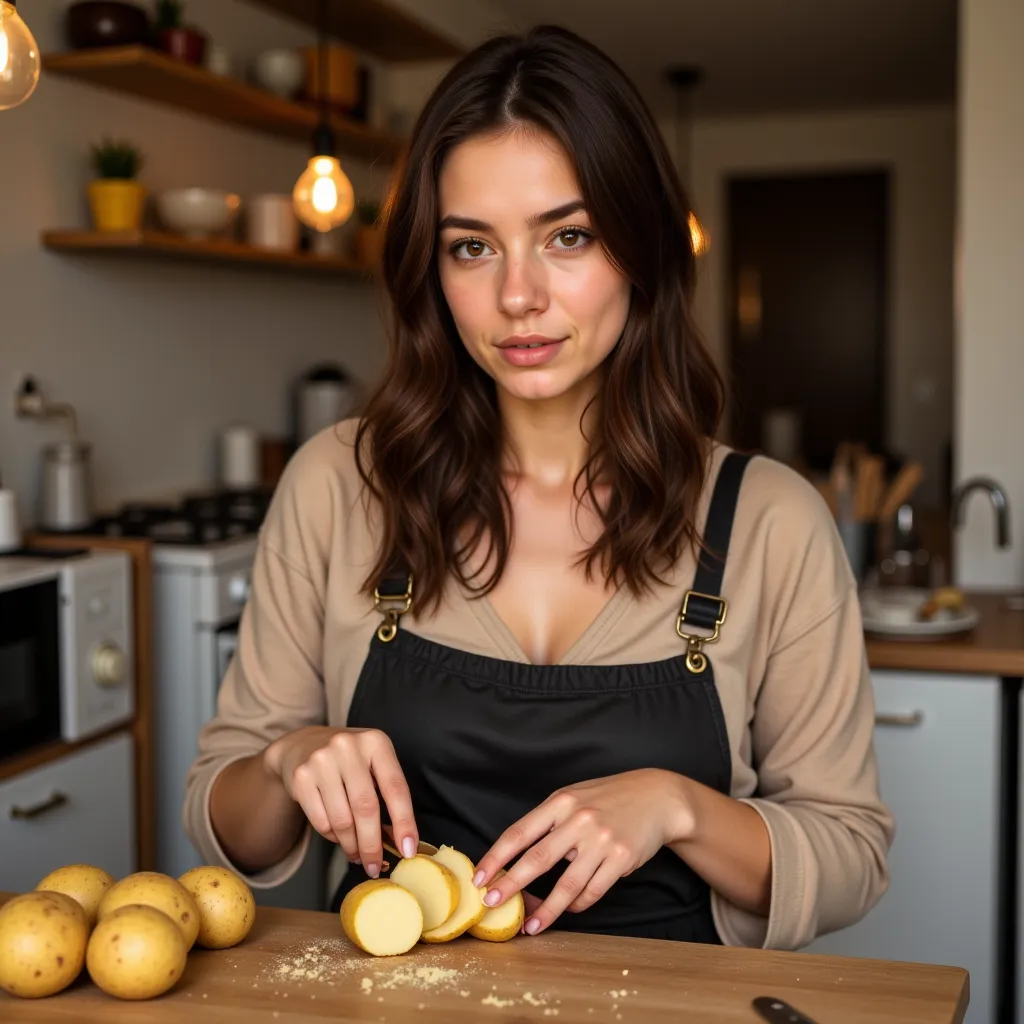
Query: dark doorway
x=807 y=310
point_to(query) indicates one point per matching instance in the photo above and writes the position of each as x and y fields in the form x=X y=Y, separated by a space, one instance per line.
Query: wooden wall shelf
x=146 y=73
x=374 y=26
x=212 y=250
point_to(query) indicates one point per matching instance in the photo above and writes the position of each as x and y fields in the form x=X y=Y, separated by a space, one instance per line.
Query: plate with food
x=917 y=612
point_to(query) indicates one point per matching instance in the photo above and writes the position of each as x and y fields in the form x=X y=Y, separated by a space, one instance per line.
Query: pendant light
x=323 y=197
x=683 y=80
x=19 y=58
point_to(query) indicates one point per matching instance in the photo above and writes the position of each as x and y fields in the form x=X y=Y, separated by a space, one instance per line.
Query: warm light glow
x=323 y=196
x=698 y=236
x=19 y=59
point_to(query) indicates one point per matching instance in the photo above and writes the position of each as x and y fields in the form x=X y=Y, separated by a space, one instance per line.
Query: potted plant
x=115 y=196
x=174 y=37
x=369 y=238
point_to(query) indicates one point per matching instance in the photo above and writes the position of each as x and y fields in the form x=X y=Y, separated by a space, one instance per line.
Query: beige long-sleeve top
x=790 y=669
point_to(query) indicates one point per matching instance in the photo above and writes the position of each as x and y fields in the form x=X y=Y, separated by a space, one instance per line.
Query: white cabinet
x=937 y=739
x=78 y=810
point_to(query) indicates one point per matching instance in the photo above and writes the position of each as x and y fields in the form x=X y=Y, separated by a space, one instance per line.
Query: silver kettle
x=325 y=395
x=66 y=496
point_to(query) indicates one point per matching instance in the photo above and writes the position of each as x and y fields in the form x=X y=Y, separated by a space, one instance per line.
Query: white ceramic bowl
x=281 y=71
x=197 y=212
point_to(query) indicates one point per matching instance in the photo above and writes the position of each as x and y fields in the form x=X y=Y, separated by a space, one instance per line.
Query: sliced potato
x=471 y=908
x=435 y=887
x=43 y=937
x=84 y=883
x=381 y=917
x=502 y=923
x=153 y=889
x=227 y=909
x=136 y=952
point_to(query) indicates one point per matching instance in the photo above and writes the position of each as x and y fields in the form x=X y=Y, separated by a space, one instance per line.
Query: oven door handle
x=51 y=803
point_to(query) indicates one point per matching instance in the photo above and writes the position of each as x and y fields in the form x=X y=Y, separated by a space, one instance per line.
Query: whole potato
x=153 y=889
x=43 y=938
x=136 y=952
x=85 y=884
x=227 y=909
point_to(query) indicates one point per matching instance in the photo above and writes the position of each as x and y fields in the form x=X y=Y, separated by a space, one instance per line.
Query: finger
x=395 y=792
x=538 y=860
x=339 y=813
x=514 y=840
x=604 y=878
x=586 y=880
x=530 y=903
x=303 y=790
x=362 y=799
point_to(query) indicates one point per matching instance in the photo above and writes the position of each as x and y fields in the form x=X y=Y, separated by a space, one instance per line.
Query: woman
x=526 y=606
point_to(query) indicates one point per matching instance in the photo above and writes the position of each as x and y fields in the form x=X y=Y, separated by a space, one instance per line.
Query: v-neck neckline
x=508 y=644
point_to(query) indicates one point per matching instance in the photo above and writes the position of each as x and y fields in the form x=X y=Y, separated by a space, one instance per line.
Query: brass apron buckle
x=696 y=659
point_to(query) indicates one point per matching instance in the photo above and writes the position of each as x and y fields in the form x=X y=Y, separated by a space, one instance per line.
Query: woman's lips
x=530 y=350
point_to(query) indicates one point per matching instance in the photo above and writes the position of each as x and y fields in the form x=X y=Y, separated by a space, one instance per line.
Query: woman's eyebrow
x=535 y=221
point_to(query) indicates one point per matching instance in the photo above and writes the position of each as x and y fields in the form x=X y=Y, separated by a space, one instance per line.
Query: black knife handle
x=779 y=1012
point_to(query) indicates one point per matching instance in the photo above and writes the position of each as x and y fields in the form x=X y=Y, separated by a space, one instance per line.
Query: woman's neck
x=547 y=440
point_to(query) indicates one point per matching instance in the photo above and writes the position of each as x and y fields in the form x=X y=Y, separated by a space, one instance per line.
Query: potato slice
x=502 y=923
x=381 y=917
x=471 y=908
x=435 y=887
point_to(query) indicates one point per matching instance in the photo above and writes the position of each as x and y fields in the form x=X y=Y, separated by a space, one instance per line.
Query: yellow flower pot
x=116 y=204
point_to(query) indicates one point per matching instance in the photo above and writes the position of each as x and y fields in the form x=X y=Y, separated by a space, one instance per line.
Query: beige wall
x=156 y=356
x=990 y=285
x=918 y=147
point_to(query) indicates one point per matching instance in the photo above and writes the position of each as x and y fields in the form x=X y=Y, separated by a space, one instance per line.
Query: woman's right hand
x=334 y=775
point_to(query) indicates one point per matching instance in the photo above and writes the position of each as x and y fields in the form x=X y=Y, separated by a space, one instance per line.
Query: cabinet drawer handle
x=51 y=803
x=906 y=720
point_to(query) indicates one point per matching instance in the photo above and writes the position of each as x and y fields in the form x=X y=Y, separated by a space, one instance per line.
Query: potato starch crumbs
x=492 y=1000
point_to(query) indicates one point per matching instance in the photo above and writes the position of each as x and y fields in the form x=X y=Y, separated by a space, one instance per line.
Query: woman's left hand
x=605 y=828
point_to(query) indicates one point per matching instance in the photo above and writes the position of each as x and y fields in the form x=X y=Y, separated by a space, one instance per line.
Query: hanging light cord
x=321 y=21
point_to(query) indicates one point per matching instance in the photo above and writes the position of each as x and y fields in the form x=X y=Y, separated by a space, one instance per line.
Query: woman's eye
x=469 y=249
x=572 y=238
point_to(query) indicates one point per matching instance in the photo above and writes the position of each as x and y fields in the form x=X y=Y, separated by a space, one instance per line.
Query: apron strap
x=703 y=606
x=392 y=597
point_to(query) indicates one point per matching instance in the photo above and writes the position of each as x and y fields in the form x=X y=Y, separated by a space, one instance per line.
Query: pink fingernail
x=492 y=897
x=409 y=847
x=478 y=879
x=372 y=870
x=532 y=926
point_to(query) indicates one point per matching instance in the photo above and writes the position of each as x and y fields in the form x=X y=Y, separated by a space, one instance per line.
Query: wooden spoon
x=900 y=490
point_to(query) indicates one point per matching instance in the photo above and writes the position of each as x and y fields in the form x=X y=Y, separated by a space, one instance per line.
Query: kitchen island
x=948 y=715
x=297 y=966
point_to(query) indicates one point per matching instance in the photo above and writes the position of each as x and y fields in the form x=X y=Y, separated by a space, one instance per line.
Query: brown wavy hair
x=429 y=445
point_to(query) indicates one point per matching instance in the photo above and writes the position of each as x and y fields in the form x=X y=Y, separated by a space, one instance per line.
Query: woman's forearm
x=256 y=821
x=726 y=842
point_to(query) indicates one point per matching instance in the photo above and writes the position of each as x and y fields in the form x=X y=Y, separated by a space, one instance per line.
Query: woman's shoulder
x=775 y=493
x=784 y=536
x=319 y=500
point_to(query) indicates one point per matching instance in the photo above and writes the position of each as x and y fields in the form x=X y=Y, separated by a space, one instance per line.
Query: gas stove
x=197 y=520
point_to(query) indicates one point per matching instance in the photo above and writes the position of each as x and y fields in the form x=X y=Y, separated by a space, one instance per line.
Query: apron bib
x=483 y=741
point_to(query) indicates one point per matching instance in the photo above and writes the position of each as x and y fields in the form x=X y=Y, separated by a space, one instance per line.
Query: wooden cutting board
x=296 y=967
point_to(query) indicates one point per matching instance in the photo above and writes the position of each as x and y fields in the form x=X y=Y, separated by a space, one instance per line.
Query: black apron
x=484 y=741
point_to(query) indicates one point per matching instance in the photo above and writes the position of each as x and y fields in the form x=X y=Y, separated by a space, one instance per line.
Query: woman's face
x=535 y=299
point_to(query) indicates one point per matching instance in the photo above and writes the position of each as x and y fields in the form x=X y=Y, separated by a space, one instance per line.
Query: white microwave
x=66 y=647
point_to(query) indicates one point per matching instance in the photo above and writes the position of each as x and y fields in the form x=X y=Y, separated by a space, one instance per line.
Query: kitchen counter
x=297 y=967
x=994 y=647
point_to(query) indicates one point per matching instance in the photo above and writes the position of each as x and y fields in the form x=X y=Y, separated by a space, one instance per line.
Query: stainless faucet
x=999 y=503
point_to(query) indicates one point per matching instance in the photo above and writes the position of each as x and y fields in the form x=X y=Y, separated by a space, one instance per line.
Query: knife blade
x=778 y=1011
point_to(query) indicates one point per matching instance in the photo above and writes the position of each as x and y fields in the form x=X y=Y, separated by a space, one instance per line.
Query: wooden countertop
x=994 y=647
x=296 y=967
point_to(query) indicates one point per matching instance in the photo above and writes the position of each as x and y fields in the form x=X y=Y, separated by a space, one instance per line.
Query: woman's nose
x=522 y=287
